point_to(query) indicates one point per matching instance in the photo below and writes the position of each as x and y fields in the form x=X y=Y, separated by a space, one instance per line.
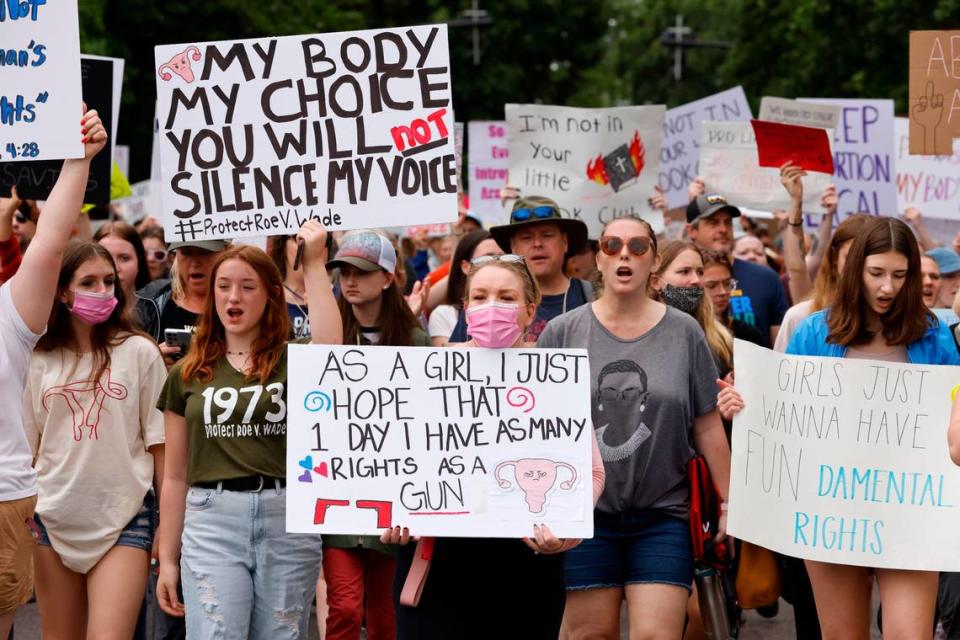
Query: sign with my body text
x=353 y=129
x=846 y=459
x=488 y=162
x=680 y=155
x=447 y=442
x=40 y=103
x=598 y=164
x=929 y=183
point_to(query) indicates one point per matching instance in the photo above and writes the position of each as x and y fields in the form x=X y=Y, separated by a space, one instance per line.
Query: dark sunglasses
x=158 y=254
x=539 y=213
x=20 y=218
x=612 y=245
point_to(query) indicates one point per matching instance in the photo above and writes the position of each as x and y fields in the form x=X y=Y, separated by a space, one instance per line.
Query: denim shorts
x=640 y=546
x=137 y=534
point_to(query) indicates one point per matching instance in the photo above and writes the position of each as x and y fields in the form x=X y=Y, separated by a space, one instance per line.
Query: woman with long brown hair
x=124 y=244
x=877 y=314
x=359 y=569
x=225 y=418
x=97 y=441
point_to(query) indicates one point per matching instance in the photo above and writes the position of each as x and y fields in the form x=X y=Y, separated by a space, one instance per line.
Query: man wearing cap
x=176 y=303
x=949 y=263
x=540 y=234
x=760 y=299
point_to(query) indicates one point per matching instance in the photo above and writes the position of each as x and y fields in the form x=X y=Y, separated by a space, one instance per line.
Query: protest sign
x=354 y=129
x=846 y=459
x=144 y=202
x=863 y=156
x=432 y=230
x=40 y=96
x=680 y=155
x=730 y=166
x=35 y=180
x=121 y=155
x=447 y=442
x=798 y=112
x=929 y=183
x=806 y=147
x=598 y=164
x=488 y=161
x=934 y=92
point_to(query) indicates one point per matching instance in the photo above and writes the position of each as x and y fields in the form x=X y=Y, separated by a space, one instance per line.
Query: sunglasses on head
x=507 y=257
x=157 y=254
x=539 y=213
x=637 y=245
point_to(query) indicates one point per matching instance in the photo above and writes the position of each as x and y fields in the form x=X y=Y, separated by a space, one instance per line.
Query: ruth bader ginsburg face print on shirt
x=621 y=400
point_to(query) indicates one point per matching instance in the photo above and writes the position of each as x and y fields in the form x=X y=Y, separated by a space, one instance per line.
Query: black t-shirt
x=300 y=319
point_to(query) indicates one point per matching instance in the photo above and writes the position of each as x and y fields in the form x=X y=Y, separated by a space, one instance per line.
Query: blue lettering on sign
x=17 y=9
x=16 y=111
x=21 y=57
x=838 y=533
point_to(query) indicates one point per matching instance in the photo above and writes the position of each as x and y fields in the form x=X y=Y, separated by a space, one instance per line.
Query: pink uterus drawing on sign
x=535 y=477
x=180 y=64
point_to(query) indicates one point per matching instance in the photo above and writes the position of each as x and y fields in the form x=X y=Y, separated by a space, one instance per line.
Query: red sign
x=806 y=147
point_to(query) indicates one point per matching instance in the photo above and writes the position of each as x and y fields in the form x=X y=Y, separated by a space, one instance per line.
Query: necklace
x=236 y=353
x=295 y=292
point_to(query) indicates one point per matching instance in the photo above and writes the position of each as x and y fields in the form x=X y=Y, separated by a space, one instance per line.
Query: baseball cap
x=708 y=204
x=208 y=245
x=366 y=250
x=946 y=259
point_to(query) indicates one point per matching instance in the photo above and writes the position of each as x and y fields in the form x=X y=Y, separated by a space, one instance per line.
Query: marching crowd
x=130 y=364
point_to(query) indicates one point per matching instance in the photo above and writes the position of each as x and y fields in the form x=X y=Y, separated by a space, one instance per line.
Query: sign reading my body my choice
x=846 y=459
x=354 y=129
x=40 y=104
x=447 y=442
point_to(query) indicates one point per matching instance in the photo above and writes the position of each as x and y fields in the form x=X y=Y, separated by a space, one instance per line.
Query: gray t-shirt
x=646 y=394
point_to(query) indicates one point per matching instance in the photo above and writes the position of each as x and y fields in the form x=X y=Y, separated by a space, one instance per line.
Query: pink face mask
x=494 y=325
x=93 y=308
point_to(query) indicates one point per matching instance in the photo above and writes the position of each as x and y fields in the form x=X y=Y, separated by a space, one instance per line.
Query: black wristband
x=795 y=224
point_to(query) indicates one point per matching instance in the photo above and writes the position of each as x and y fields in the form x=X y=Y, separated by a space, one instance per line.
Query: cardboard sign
x=929 y=183
x=354 y=129
x=934 y=92
x=730 y=166
x=847 y=460
x=864 y=170
x=144 y=202
x=798 y=112
x=807 y=147
x=448 y=442
x=35 y=180
x=598 y=164
x=40 y=96
x=680 y=154
x=488 y=163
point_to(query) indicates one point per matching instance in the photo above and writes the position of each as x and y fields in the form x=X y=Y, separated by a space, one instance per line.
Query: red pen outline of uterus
x=86 y=416
x=180 y=64
x=535 y=477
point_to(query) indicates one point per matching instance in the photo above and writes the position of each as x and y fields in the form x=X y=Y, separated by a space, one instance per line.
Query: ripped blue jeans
x=243 y=575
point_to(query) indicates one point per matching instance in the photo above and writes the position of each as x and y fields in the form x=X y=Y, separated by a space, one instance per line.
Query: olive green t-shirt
x=236 y=427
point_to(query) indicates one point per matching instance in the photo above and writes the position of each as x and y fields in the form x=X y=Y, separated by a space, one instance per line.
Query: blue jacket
x=937 y=345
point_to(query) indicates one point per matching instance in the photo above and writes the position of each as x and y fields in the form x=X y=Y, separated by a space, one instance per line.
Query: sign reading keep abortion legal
x=447 y=442
x=847 y=460
x=354 y=129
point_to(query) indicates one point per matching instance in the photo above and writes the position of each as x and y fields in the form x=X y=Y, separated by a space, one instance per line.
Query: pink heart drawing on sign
x=322 y=469
x=305 y=477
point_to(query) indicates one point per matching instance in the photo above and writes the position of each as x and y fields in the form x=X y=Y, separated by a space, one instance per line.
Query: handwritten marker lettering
x=522 y=398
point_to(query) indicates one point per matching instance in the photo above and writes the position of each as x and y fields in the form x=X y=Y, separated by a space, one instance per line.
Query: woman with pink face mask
x=487 y=587
x=98 y=444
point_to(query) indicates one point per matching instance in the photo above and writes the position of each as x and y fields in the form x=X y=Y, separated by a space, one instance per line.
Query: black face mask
x=685 y=299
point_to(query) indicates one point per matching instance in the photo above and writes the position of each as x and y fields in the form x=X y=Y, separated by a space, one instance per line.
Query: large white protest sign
x=929 y=183
x=799 y=112
x=864 y=170
x=447 y=442
x=40 y=97
x=488 y=162
x=598 y=164
x=680 y=155
x=847 y=460
x=353 y=129
x=730 y=165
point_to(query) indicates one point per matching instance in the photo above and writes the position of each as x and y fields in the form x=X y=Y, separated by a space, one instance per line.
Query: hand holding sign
x=791 y=177
x=807 y=147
